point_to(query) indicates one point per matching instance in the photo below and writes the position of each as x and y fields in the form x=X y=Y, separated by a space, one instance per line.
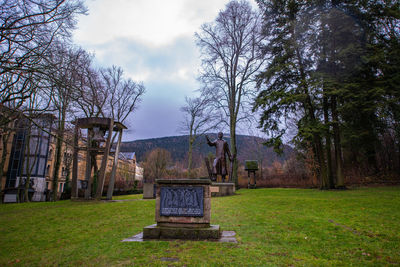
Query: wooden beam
x=74 y=182
x=102 y=173
x=114 y=168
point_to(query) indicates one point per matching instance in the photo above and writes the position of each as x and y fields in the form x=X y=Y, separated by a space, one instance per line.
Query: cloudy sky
x=153 y=41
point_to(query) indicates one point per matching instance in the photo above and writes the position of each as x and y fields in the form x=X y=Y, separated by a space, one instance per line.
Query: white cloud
x=153 y=41
x=154 y=22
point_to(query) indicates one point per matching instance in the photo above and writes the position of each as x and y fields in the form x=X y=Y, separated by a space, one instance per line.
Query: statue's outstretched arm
x=209 y=142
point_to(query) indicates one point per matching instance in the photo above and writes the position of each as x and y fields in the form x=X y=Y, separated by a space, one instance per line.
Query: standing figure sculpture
x=219 y=164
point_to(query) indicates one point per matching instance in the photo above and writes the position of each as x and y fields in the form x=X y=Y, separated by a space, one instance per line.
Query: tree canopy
x=331 y=72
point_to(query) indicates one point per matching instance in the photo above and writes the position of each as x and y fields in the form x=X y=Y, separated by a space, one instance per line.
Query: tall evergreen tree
x=333 y=69
x=287 y=84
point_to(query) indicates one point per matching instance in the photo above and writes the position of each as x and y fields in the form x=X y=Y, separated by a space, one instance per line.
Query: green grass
x=275 y=227
x=136 y=196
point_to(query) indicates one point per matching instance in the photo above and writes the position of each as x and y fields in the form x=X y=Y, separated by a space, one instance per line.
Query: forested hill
x=248 y=148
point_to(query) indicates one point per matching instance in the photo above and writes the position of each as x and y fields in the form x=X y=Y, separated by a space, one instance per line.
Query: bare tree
x=198 y=119
x=66 y=66
x=91 y=97
x=123 y=95
x=27 y=29
x=155 y=164
x=230 y=58
x=107 y=93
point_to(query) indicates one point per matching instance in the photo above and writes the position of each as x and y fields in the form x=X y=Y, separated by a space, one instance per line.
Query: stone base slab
x=222 y=189
x=184 y=225
x=160 y=232
x=226 y=236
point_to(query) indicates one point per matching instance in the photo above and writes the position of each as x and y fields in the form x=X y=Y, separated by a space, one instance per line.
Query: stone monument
x=183 y=211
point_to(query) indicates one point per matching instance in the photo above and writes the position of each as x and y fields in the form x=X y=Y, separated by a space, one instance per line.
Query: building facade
x=31 y=152
x=27 y=158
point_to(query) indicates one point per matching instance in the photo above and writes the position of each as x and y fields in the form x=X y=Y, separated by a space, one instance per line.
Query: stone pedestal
x=222 y=189
x=183 y=211
x=148 y=191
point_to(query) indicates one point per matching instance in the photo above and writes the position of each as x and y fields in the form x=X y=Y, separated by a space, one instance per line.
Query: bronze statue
x=219 y=164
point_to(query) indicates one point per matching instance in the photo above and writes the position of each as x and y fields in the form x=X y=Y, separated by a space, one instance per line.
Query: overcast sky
x=153 y=41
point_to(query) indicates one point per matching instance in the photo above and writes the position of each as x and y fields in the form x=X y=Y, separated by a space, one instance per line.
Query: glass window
x=31 y=166
x=33 y=145
x=41 y=167
x=44 y=147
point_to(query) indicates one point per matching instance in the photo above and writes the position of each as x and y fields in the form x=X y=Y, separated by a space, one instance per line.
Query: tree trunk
x=103 y=167
x=398 y=156
x=74 y=184
x=234 y=152
x=324 y=182
x=110 y=190
x=191 y=141
x=27 y=169
x=328 y=143
x=93 y=183
x=88 y=171
x=338 y=146
x=57 y=163
x=5 y=139
x=310 y=111
x=371 y=157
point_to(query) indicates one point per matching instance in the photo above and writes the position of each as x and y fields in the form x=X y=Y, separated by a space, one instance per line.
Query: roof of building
x=127 y=155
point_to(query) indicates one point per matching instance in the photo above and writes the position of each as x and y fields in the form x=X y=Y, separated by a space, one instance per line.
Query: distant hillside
x=178 y=147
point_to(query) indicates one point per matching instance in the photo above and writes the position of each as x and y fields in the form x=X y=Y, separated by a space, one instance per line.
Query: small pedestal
x=222 y=189
x=251 y=166
x=183 y=211
x=148 y=190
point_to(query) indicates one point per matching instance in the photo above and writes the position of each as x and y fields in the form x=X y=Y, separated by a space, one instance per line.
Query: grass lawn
x=280 y=227
x=136 y=196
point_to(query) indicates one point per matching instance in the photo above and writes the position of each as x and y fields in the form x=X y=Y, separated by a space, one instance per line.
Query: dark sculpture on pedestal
x=219 y=165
